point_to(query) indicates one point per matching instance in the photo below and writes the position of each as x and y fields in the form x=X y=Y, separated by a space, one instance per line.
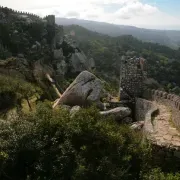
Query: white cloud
x=135 y=9
x=128 y=12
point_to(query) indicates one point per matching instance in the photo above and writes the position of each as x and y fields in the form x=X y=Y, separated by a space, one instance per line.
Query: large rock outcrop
x=84 y=90
x=16 y=67
x=78 y=62
x=75 y=59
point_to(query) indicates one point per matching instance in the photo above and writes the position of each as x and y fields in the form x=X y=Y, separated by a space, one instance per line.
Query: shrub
x=13 y=90
x=157 y=174
x=48 y=144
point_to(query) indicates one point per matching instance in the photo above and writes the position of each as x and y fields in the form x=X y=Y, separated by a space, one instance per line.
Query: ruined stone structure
x=51 y=30
x=158 y=126
x=161 y=114
x=55 y=32
x=171 y=101
x=133 y=75
x=145 y=109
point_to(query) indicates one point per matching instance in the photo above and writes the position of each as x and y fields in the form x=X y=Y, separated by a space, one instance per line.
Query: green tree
x=50 y=144
x=13 y=90
x=157 y=174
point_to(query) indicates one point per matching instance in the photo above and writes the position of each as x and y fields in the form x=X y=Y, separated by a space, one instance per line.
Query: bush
x=13 y=90
x=157 y=174
x=48 y=144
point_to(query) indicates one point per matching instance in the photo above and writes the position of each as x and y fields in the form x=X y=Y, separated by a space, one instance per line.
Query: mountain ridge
x=170 y=38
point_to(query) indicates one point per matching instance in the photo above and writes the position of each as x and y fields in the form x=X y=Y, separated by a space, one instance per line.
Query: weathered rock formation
x=70 y=60
x=16 y=67
x=85 y=89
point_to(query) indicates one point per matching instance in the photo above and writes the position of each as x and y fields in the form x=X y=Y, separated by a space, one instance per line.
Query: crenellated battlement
x=48 y=20
x=161 y=95
x=12 y=11
x=172 y=101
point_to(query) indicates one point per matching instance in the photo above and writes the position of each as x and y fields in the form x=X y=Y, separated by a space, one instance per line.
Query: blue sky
x=153 y=14
x=168 y=6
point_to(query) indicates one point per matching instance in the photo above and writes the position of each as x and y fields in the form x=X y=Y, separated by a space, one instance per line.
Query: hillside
x=165 y=37
x=60 y=114
x=163 y=62
x=31 y=47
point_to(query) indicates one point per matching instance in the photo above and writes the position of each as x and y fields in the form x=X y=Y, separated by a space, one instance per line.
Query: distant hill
x=163 y=62
x=169 y=38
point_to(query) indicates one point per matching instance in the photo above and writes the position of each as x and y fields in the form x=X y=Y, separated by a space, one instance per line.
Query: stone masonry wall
x=144 y=110
x=132 y=77
x=169 y=100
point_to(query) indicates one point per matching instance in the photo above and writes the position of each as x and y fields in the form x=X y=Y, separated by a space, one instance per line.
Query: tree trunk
x=30 y=108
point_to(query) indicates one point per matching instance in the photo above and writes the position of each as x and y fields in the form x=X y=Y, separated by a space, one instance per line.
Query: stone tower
x=133 y=75
x=51 y=30
x=50 y=20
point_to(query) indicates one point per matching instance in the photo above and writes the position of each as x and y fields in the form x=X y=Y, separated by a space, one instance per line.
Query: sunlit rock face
x=84 y=90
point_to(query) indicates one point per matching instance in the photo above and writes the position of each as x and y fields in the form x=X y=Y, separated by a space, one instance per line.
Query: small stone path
x=164 y=134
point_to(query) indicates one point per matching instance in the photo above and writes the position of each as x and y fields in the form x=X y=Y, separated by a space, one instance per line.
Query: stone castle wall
x=8 y=16
x=9 y=10
x=169 y=100
x=144 y=108
x=144 y=111
x=49 y=18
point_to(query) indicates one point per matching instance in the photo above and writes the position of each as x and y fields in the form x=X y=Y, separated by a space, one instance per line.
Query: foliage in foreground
x=50 y=145
x=157 y=174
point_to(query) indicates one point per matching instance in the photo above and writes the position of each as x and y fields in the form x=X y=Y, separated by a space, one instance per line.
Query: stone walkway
x=164 y=134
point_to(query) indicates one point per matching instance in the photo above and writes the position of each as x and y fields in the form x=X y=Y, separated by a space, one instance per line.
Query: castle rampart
x=11 y=11
x=171 y=101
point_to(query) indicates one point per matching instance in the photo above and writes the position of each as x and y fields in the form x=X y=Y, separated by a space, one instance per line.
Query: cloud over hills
x=127 y=12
